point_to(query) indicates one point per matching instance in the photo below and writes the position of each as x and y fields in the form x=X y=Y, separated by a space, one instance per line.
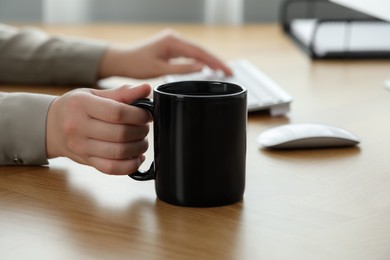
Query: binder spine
x=312 y=9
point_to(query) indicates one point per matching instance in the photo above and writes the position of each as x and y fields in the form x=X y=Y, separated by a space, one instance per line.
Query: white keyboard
x=263 y=92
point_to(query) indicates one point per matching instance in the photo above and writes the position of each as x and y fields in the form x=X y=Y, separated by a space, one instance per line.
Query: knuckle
x=148 y=117
x=74 y=108
x=119 y=152
x=139 y=148
x=141 y=116
x=120 y=133
x=147 y=129
x=170 y=34
x=144 y=146
x=143 y=131
x=75 y=99
x=113 y=168
x=115 y=113
x=70 y=127
x=109 y=168
x=132 y=169
x=133 y=165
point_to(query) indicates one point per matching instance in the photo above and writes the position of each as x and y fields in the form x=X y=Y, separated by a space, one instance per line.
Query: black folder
x=327 y=30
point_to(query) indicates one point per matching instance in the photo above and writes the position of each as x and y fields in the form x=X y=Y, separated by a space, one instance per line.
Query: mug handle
x=151 y=173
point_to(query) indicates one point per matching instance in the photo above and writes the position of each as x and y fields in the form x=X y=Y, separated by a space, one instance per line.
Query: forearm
x=23 y=128
x=30 y=56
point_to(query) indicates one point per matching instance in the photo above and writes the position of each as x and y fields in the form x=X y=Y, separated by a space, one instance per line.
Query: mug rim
x=238 y=93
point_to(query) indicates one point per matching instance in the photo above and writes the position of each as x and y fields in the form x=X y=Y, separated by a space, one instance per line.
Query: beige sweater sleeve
x=29 y=56
x=23 y=128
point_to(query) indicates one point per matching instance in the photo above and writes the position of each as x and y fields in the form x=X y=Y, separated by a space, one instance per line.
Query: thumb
x=125 y=94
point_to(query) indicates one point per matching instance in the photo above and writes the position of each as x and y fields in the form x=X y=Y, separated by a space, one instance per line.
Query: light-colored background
x=192 y=11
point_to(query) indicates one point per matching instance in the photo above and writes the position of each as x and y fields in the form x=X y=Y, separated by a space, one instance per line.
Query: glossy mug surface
x=199 y=143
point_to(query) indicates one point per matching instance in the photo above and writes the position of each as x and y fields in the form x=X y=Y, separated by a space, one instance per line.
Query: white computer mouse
x=298 y=136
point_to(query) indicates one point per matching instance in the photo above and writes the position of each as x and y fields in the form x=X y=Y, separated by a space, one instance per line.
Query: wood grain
x=308 y=204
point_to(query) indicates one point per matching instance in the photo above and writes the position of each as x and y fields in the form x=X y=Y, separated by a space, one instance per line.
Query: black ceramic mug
x=199 y=143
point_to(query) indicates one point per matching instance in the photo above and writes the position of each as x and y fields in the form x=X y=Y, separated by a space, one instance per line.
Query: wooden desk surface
x=312 y=204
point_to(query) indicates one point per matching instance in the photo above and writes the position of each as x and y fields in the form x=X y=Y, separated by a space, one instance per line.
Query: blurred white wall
x=147 y=10
x=229 y=12
x=192 y=11
x=66 y=11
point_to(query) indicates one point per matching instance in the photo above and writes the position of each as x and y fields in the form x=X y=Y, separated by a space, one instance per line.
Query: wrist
x=109 y=64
